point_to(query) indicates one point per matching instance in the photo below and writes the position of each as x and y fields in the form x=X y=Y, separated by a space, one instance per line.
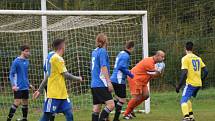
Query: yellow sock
x=190 y=106
x=185 y=109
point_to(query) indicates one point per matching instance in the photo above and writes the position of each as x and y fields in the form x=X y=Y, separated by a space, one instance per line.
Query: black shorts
x=101 y=95
x=119 y=89
x=21 y=94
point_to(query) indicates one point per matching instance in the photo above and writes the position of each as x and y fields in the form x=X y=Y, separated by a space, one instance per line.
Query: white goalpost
x=79 y=28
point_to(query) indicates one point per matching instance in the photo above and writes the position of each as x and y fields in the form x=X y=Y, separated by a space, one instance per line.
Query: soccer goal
x=39 y=28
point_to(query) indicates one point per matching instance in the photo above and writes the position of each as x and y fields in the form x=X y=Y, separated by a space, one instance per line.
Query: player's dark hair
x=24 y=47
x=129 y=44
x=57 y=42
x=101 y=39
x=189 y=46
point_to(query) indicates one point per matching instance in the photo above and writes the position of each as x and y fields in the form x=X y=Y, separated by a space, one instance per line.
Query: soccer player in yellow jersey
x=192 y=66
x=56 y=73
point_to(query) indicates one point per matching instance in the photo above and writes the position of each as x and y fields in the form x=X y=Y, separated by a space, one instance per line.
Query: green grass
x=164 y=107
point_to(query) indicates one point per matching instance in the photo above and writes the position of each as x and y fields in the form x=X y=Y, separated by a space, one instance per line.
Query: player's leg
x=66 y=108
x=96 y=105
x=186 y=95
x=104 y=96
x=195 y=91
x=107 y=109
x=68 y=114
x=17 y=102
x=96 y=112
x=50 y=108
x=47 y=116
x=25 y=96
x=136 y=92
x=145 y=96
x=190 y=110
x=120 y=99
x=118 y=107
x=133 y=103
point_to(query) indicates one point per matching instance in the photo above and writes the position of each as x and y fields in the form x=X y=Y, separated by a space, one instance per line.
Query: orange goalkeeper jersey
x=140 y=71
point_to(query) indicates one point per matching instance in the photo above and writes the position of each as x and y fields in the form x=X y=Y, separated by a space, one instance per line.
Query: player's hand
x=32 y=87
x=15 y=88
x=80 y=78
x=36 y=94
x=177 y=89
x=110 y=86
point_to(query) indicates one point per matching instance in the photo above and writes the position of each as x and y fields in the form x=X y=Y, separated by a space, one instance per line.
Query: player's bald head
x=160 y=52
x=159 y=56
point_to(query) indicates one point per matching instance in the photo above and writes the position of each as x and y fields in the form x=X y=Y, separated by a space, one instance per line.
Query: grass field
x=164 y=107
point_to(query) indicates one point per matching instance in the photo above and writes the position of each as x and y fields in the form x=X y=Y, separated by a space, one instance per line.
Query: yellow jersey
x=56 y=87
x=193 y=64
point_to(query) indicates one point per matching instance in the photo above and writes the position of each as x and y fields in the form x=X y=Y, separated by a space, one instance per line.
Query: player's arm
x=43 y=84
x=69 y=76
x=204 y=69
x=59 y=62
x=41 y=87
x=104 y=69
x=182 y=79
x=12 y=76
x=158 y=71
x=205 y=73
x=123 y=66
x=184 y=68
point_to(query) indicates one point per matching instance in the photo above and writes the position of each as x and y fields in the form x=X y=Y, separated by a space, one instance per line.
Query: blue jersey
x=99 y=59
x=121 y=71
x=19 y=73
x=47 y=65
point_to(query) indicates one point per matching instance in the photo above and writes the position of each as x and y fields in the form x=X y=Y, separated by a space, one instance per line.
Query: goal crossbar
x=79 y=13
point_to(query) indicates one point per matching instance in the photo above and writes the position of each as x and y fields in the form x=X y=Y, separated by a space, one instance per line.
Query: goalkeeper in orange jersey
x=192 y=65
x=143 y=72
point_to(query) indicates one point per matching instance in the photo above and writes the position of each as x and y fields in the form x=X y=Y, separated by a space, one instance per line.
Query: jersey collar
x=127 y=52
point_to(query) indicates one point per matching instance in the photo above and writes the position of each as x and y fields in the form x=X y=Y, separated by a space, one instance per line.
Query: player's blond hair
x=101 y=40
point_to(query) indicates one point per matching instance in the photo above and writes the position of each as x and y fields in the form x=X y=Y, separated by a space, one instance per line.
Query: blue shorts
x=57 y=105
x=189 y=91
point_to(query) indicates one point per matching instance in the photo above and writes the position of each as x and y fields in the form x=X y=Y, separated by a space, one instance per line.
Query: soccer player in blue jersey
x=119 y=76
x=20 y=82
x=101 y=85
x=192 y=66
x=56 y=74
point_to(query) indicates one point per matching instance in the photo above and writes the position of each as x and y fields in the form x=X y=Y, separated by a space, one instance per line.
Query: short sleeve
x=184 y=63
x=202 y=63
x=103 y=58
x=60 y=64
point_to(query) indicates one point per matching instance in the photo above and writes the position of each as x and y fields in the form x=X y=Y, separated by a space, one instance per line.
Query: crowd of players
x=102 y=83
